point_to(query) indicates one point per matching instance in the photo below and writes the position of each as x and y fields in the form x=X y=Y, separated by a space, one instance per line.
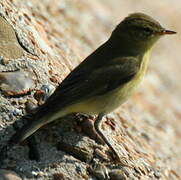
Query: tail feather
x=36 y=122
x=26 y=131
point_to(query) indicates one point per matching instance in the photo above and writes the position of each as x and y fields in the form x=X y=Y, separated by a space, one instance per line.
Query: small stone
x=83 y=153
x=38 y=173
x=44 y=93
x=157 y=174
x=31 y=105
x=59 y=176
x=100 y=171
x=8 y=175
x=16 y=83
x=48 y=89
x=101 y=154
x=117 y=175
x=39 y=96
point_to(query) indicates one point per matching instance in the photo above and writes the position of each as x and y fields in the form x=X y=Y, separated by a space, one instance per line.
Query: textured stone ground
x=56 y=36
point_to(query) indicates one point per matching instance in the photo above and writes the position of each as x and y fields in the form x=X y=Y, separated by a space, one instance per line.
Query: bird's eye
x=148 y=30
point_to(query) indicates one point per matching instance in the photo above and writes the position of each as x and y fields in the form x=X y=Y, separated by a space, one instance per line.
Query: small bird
x=104 y=80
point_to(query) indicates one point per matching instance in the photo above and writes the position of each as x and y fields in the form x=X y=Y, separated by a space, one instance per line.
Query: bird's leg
x=87 y=126
x=97 y=125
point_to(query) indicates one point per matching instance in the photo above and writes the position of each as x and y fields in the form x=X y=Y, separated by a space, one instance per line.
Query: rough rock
x=8 y=175
x=57 y=36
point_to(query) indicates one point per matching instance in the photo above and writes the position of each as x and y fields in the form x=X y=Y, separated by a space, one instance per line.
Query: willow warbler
x=104 y=80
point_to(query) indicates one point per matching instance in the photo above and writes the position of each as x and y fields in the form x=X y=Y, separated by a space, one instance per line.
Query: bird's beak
x=167 y=32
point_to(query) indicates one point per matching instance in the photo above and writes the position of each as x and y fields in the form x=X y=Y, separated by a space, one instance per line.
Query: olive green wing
x=87 y=82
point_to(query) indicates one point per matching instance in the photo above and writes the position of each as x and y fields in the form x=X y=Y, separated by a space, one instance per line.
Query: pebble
x=31 y=105
x=16 y=83
x=117 y=175
x=44 y=93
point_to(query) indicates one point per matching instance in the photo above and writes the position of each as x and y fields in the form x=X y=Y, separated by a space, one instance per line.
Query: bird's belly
x=108 y=102
x=119 y=95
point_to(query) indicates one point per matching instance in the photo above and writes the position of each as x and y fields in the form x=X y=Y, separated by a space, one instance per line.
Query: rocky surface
x=52 y=37
x=8 y=175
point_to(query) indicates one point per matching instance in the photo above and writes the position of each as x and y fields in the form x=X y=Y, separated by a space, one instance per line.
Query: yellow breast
x=108 y=102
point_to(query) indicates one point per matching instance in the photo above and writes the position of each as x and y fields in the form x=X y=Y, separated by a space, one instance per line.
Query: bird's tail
x=27 y=130
x=21 y=134
x=33 y=124
x=36 y=121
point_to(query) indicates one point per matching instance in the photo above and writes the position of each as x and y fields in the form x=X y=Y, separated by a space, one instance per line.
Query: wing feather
x=88 y=82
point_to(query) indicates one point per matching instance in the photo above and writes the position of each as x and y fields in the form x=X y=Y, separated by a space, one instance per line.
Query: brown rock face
x=9 y=46
x=145 y=131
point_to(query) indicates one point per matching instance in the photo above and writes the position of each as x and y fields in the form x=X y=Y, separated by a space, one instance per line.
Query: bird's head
x=140 y=30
